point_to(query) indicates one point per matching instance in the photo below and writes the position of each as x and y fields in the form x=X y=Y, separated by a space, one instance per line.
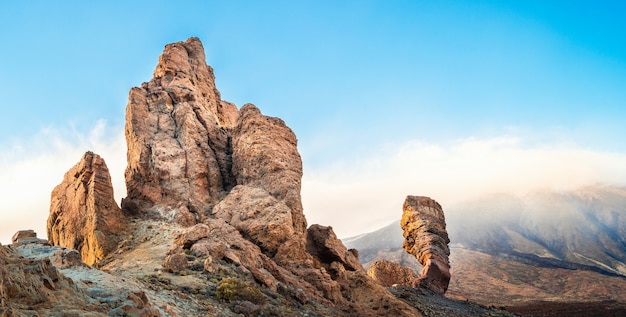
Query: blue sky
x=360 y=82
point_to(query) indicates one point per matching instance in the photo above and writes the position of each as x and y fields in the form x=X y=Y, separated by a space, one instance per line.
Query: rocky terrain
x=212 y=223
x=504 y=265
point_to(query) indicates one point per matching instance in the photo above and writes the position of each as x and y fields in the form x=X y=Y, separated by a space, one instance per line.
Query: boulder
x=83 y=212
x=389 y=273
x=426 y=238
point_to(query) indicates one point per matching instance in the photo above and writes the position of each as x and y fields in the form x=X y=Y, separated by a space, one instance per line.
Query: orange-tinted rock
x=83 y=212
x=323 y=244
x=389 y=273
x=426 y=238
x=179 y=148
x=265 y=154
x=265 y=220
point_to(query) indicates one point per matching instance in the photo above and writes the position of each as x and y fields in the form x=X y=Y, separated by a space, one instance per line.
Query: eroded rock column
x=83 y=212
x=426 y=238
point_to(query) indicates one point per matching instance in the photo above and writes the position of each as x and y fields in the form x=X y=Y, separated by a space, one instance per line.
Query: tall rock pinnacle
x=426 y=238
x=187 y=148
x=83 y=212
x=177 y=132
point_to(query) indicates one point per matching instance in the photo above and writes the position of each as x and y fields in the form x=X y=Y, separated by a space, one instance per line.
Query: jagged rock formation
x=83 y=212
x=177 y=132
x=389 y=273
x=265 y=155
x=233 y=178
x=426 y=238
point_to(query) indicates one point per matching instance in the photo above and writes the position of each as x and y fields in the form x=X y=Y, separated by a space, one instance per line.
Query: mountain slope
x=544 y=246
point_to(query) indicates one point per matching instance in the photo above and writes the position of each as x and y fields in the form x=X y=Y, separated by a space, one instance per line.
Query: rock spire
x=83 y=212
x=426 y=238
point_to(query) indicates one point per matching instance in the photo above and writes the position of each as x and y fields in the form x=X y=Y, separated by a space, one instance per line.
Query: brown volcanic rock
x=265 y=154
x=426 y=238
x=83 y=212
x=263 y=219
x=388 y=273
x=233 y=178
x=179 y=160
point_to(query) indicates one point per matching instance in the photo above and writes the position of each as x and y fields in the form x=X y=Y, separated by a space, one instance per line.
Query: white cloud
x=31 y=168
x=352 y=196
x=361 y=196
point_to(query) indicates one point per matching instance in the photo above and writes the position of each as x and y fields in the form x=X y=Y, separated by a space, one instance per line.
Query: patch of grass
x=231 y=289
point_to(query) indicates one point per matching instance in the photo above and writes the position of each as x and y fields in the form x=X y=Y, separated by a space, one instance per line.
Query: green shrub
x=230 y=289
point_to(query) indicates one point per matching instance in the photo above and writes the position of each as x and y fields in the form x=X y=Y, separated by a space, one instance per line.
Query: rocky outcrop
x=389 y=273
x=265 y=155
x=233 y=178
x=178 y=138
x=25 y=236
x=323 y=244
x=187 y=148
x=83 y=212
x=426 y=238
x=265 y=220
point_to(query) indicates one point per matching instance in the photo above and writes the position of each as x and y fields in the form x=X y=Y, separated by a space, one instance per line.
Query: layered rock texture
x=426 y=238
x=83 y=212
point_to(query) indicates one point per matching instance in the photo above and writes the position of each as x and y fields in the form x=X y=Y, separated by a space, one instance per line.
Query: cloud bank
x=353 y=196
x=361 y=196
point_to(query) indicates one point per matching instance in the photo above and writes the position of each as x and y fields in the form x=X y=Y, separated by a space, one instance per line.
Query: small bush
x=230 y=289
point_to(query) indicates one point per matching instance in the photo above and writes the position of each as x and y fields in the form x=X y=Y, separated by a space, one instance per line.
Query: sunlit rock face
x=83 y=212
x=178 y=138
x=426 y=238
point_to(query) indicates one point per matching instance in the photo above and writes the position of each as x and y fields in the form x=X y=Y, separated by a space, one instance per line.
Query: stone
x=266 y=221
x=177 y=133
x=323 y=244
x=424 y=230
x=175 y=260
x=389 y=273
x=83 y=212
